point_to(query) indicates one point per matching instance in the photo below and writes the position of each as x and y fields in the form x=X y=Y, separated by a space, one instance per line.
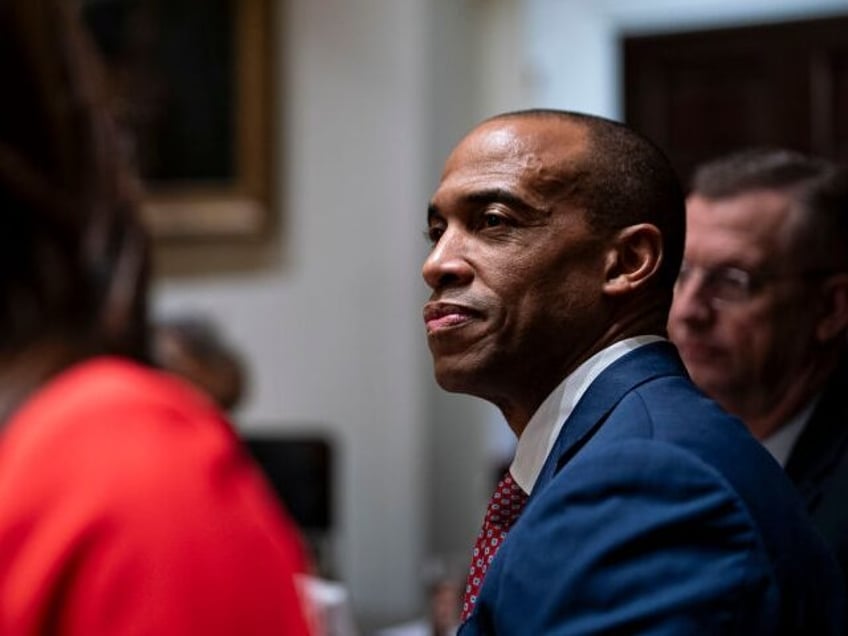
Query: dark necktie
x=503 y=510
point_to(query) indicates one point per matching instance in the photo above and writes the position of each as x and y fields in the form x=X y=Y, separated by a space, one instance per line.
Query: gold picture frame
x=213 y=60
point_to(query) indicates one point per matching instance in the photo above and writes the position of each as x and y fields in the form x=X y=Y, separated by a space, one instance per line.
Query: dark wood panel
x=830 y=104
x=703 y=93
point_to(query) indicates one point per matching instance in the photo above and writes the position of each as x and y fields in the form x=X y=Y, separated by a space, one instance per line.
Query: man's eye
x=731 y=285
x=493 y=220
x=433 y=234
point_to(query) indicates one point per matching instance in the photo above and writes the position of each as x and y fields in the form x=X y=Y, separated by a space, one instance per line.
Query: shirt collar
x=542 y=430
x=782 y=441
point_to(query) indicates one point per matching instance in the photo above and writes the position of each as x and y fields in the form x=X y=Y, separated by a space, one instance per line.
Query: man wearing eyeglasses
x=760 y=314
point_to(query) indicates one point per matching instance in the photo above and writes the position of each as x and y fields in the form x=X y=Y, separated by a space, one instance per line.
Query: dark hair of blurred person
x=760 y=313
x=127 y=504
x=193 y=347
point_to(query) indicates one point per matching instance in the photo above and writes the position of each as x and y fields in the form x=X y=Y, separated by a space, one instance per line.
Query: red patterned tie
x=503 y=510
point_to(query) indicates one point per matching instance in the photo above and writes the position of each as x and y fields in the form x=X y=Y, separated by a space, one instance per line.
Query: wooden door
x=700 y=94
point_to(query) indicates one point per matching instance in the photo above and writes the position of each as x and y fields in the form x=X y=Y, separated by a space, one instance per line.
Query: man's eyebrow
x=494 y=195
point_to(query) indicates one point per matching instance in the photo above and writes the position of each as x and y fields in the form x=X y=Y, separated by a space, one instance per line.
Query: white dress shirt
x=542 y=430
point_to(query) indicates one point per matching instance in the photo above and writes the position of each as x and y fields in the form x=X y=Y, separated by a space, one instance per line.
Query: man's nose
x=447 y=265
x=691 y=301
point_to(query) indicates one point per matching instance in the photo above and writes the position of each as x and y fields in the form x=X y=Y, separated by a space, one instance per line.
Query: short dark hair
x=818 y=187
x=622 y=180
x=74 y=255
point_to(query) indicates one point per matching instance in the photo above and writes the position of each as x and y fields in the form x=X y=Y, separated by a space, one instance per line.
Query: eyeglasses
x=729 y=285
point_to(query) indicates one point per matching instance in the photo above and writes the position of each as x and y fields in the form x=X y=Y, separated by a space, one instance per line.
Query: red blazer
x=127 y=506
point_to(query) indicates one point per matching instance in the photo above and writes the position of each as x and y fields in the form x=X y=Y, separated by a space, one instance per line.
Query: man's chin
x=456 y=374
x=710 y=379
x=452 y=380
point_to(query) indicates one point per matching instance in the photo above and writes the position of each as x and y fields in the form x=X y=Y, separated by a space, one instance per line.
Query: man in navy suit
x=642 y=507
x=760 y=314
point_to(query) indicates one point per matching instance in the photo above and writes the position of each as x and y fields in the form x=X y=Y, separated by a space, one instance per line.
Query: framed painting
x=191 y=83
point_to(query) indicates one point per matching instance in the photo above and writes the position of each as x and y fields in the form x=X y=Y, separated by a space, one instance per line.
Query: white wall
x=329 y=316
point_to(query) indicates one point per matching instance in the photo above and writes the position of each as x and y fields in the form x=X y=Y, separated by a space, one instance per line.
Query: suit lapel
x=622 y=376
x=823 y=442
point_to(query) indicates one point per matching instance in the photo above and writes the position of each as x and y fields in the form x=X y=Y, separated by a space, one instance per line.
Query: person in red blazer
x=127 y=505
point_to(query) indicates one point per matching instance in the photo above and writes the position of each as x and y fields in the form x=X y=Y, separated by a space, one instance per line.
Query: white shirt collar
x=782 y=441
x=542 y=430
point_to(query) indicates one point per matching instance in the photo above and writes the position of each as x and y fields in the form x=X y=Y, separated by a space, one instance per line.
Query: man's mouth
x=696 y=351
x=439 y=316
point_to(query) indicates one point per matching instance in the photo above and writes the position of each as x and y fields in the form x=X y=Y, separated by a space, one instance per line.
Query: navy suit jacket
x=818 y=465
x=658 y=513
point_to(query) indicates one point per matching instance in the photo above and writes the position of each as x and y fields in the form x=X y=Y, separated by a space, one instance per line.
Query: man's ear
x=633 y=258
x=833 y=321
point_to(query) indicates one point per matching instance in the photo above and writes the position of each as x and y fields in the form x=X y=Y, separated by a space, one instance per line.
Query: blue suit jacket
x=657 y=513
